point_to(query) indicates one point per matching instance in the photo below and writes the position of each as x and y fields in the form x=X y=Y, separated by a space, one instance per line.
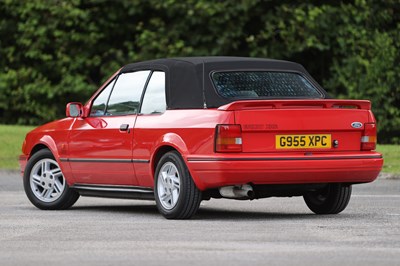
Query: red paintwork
x=192 y=134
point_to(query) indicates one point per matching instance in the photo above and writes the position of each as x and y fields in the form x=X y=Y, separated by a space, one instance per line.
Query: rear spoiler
x=296 y=104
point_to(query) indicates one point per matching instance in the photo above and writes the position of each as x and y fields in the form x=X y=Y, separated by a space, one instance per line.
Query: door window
x=125 y=97
x=100 y=103
x=154 y=98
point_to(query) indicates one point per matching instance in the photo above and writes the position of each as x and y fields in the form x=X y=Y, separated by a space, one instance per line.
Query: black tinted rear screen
x=263 y=84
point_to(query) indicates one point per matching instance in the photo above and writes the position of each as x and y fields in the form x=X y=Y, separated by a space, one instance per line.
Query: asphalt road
x=277 y=231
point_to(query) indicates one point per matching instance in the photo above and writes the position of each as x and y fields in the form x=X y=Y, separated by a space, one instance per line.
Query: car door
x=150 y=127
x=100 y=146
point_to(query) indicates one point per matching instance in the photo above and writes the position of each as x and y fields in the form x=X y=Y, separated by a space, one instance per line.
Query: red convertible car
x=182 y=130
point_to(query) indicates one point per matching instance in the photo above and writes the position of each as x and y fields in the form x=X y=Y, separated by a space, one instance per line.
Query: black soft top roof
x=188 y=79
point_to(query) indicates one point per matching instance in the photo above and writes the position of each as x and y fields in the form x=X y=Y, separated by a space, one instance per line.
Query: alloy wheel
x=168 y=185
x=46 y=180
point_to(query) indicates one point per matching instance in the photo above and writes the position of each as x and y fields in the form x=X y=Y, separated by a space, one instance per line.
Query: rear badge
x=356 y=124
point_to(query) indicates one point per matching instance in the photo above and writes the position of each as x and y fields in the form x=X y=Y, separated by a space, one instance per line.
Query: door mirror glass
x=74 y=110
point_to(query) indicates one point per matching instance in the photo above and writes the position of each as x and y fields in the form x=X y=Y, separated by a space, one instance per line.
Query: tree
x=52 y=52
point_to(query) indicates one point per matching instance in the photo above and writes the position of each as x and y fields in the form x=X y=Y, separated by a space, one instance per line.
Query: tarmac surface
x=275 y=231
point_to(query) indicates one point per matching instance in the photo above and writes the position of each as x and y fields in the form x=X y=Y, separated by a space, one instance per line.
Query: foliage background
x=56 y=51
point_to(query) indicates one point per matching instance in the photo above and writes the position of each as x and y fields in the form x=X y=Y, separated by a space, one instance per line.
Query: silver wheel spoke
x=163 y=178
x=166 y=197
x=56 y=172
x=174 y=197
x=172 y=171
x=36 y=180
x=168 y=169
x=46 y=166
x=58 y=187
x=175 y=182
x=43 y=192
x=46 y=193
x=43 y=167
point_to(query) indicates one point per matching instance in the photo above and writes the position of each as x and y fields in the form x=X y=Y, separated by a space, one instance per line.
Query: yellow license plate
x=314 y=141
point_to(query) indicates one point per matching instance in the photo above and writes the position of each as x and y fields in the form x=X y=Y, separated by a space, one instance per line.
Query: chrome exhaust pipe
x=237 y=192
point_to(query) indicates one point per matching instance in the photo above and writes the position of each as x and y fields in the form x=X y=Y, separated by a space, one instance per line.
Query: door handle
x=124 y=127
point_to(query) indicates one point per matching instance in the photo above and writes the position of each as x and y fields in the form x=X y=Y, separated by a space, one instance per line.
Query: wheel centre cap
x=47 y=180
x=168 y=182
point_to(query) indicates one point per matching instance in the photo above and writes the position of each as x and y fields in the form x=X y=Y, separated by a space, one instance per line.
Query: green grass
x=11 y=138
x=391 y=155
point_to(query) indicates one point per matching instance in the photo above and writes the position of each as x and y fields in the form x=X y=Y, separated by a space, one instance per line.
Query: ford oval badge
x=356 y=124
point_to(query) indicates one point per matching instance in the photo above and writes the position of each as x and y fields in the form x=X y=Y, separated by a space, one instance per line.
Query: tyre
x=330 y=200
x=176 y=195
x=45 y=185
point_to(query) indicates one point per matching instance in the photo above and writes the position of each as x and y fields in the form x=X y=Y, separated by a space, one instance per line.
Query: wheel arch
x=157 y=156
x=38 y=147
x=166 y=143
x=170 y=142
x=46 y=142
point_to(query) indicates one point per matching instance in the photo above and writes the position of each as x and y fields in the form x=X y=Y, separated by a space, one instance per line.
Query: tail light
x=368 y=139
x=228 y=138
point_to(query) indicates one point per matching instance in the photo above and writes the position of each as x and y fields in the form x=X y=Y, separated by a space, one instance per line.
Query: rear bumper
x=230 y=170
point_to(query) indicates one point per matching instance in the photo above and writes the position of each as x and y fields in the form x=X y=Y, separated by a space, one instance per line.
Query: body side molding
x=103 y=160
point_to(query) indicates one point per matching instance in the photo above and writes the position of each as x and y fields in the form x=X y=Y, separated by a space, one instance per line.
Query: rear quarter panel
x=187 y=131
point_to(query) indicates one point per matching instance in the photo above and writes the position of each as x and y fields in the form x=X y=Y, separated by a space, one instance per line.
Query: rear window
x=263 y=84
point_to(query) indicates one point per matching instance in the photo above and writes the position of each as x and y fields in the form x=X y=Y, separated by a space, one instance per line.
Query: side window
x=154 y=98
x=125 y=97
x=99 y=104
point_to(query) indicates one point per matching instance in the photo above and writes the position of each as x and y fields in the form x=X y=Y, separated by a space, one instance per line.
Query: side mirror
x=74 y=110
